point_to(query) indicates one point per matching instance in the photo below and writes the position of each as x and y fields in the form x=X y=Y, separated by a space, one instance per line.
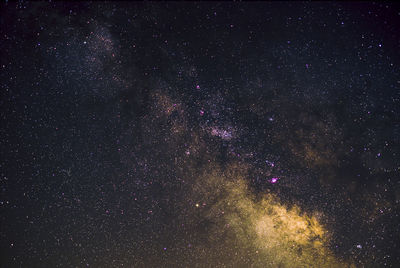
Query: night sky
x=200 y=134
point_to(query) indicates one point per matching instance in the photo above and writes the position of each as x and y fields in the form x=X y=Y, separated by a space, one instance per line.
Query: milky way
x=200 y=134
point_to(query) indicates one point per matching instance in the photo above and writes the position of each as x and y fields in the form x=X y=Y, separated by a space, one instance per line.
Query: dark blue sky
x=129 y=129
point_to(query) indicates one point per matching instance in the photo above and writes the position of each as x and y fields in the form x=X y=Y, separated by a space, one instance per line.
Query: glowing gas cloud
x=260 y=226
